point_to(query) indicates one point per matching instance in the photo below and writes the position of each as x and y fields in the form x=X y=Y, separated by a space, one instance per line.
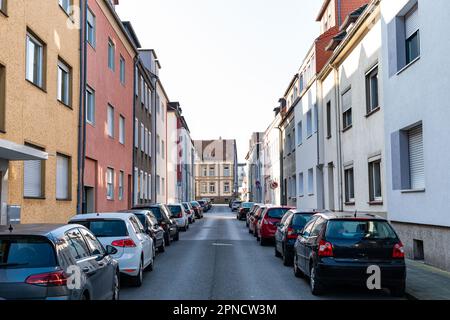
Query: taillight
x=325 y=249
x=51 y=279
x=399 y=251
x=291 y=234
x=124 y=243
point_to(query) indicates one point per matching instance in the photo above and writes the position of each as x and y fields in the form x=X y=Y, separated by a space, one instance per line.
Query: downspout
x=280 y=143
x=339 y=13
x=338 y=138
x=81 y=112
x=319 y=167
x=133 y=165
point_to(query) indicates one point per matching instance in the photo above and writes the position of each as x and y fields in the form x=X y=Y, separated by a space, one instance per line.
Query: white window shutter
x=412 y=22
x=32 y=182
x=62 y=177
x=347 y=100
x=416 y=158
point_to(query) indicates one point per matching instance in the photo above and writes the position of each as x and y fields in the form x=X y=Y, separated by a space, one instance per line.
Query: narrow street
x=218 y=259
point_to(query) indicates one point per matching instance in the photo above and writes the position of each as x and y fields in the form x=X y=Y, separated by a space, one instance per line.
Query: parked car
x=251 y=213
x=243 y=210
x=287 y=232
x=254 y=219
x=37 y=260
x=204 y=205
x=161 y=212
x=180 y=216
x=151 y=226
x=189 y=211
x=236 y=205
x=208 y=203
x=267 y=225
x=338 y=248
x=230 y=203
x=198 y=210
x=135 y=248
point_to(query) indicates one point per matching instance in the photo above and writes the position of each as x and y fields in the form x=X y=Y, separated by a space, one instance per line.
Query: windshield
x=356 y=230
x=175 y=210
x=300 y=220
x=277 y=213
x=26 y=252
x=105 y=228
x=247 y=205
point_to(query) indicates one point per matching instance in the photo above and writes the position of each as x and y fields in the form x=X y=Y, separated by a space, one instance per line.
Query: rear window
x=277 y=213
x=359 y=230
x=156 y=212
x=247 y=205
x=141 y=218
x=175 y=210
x=106 y=228
x=300 y=220
x=26 y=252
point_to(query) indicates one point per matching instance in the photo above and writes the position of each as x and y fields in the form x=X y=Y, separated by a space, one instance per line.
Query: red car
x=254 y=220
x=267 y=225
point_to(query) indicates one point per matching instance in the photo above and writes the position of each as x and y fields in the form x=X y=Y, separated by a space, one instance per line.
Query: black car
x=287 y=232
x=204 y=205
x=152 y=227
x=339 y=248
x=198 y=210
x=243 y=210
x=163 y=215
x=56 y=262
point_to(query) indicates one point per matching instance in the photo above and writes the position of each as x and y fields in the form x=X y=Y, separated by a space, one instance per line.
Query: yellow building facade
x=39 y=109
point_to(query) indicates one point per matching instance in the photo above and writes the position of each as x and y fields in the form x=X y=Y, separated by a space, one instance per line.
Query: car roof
x=105 y=215
x=347 y=215
x=35 y=229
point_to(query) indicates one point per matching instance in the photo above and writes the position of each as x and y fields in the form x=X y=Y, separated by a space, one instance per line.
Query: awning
x=15 y=152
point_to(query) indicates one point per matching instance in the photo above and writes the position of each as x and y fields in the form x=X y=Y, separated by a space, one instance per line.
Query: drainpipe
x=133 y=165
x=339 y=13
x=338 y=138
x=319 y=167
x=280 y=140
x=81 y=113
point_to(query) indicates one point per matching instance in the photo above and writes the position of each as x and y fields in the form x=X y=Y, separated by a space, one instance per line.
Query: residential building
x=216 y=169
x=415 y=84
x=161 y=131
x=109 y=96
x=39 y=111
x=242 y=180
x=255 y=168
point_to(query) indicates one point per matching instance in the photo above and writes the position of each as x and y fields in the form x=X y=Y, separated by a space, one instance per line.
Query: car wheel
x=137 y=280
x=177 y=236
x=277 y=253
x=116 y=288
x=162 y=247
x=398 y=291
x=316 y=286
x=297 y=272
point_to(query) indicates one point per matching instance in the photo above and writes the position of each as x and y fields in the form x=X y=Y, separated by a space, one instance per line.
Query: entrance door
x=89 y=200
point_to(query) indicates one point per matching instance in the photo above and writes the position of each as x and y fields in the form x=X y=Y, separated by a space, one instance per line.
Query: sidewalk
x=424 y=282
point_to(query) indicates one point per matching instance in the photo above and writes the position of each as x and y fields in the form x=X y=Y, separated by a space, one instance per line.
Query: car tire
x=297 y=272
x=116 y=287
x=398 y=292
x=277 y=253
x=138 y=279
x=315 y=285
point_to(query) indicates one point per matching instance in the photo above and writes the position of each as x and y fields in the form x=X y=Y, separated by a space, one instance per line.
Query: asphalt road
x=217 y=259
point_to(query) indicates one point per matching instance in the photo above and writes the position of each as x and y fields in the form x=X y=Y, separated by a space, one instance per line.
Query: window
x=77 y=246
x=329 y=119
x=416 y=158
x=136 y=184
x=311 y=181
x=122 y=129
x=163 y=149
x=301 y=185
x=90 y=28
x=146 y=141
x=94 y=245
x=141 y=187
x=212 y=171
x=110 y=184
x=294 y=187
x=158 y=103
x=122 y=70
x=65 y=5
x=375 y=181
x=226 y=171
x=142 y=137
x=136 y=133
x=163 y=184
x=62 y=177
x=145 y=186
x=33 y=178
x=309 y=124
x=142 y=90
x=111 y=55
x=212 y=187
x=136 y=80
x=316 y=118
x=121 y=184
x=149 y=182
x=158 y=185
x=347 y=109
x=158 y=145
x=149 y=142
x=226 y=187
x=90 y=106
x=35 y=61
x=301 y=83
x=64 y=83
x=110 y=121
x=349 y=186
x=372 y=90
x=204 y=171
x=299 y=133
x=204 y=187
x=2 y=96
x=412 y=35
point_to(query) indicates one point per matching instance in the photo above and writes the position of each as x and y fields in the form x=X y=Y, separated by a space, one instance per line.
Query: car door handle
x=88 y=271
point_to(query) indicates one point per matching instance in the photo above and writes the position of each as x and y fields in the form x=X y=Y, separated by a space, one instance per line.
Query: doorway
x=89 y=200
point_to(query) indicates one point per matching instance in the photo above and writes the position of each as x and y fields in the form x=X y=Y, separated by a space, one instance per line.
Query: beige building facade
x=39 y=110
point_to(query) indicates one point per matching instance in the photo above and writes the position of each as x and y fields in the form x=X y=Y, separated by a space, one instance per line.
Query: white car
x=124 y=231
x=179 y=215
x=189 y=211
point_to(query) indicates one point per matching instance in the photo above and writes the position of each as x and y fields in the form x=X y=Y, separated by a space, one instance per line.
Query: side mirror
x=110 y=250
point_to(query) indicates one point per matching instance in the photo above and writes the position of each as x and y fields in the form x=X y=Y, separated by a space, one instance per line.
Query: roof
x=106 y=215
x=347 y=215
x=129 y=27
x=32 y=229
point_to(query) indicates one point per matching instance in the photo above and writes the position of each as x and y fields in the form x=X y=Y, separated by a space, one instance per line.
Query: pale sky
x=226 y=61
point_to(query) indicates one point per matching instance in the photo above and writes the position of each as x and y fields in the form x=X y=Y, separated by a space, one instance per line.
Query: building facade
x=415 y=83
x=109 y=96
x=255 y=168
x=216 y=170
x=39 y=110
x=271 y=159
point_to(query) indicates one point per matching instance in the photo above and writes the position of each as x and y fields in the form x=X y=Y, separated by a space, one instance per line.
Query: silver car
x=179 y=215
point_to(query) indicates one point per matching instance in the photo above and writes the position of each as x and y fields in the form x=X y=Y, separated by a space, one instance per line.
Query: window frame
x=108 y=171
x=93 y=27
x=111 y=55
x=69 y=175
x=372 y=187
x=349 y=192
x=43 y=173
x=328 y=120
x=121 y=185
x=37 y=42
x=122 y=70
x=62 y=67
x=90 y=91
x=370 y=75
x=112 y=124
x=122 y=128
